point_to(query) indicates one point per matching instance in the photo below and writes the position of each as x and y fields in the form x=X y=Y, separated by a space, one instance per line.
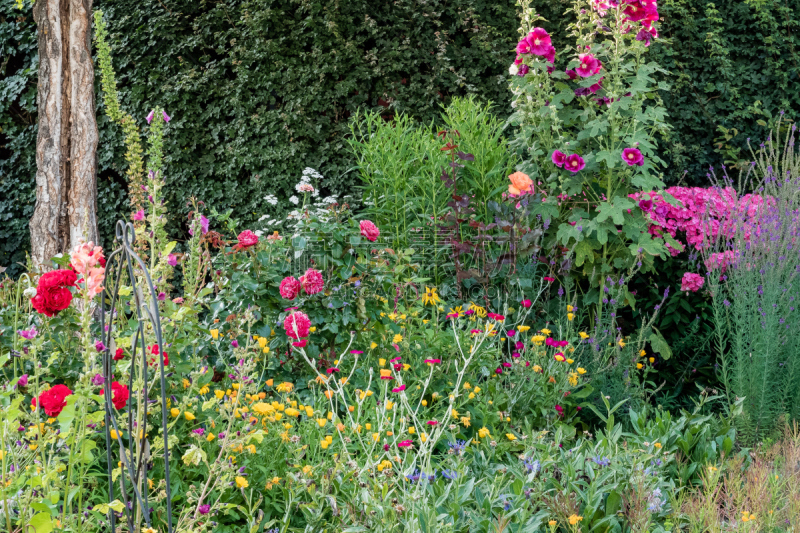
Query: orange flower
x=328 y=394
x=519 y=183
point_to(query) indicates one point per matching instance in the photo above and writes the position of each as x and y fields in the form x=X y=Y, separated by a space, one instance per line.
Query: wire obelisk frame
x=135 y=458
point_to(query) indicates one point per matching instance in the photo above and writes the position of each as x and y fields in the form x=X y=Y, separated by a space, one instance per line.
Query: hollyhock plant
x=369 y=230
x=558 y=158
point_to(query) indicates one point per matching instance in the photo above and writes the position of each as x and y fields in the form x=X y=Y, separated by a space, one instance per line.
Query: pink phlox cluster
x=702 y=214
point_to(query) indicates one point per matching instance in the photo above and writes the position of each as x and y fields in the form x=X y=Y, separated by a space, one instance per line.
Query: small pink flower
x=632 y=156
x=506 y=364
x=300 y=344
x=549 y=279
x=172 y=260
x=498 y=371
x=692 y=282
x=526 y=304
x=558 y=158
x=356 y=352
x=369 y=230
x=433 y=361
x=332 y=370
x=574 y=163
x=401 y=388
x=588 y=66
x=289 y=288
x=404 y=444
x=312 y=281
x=432 y=422
x=539 y=42
x=560 y=411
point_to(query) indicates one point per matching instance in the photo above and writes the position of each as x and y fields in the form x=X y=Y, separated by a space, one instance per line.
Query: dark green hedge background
x=260 y=89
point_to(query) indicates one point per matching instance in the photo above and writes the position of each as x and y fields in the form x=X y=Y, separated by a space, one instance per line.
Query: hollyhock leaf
x=85 y=454
x=615 y=211
x=608 y=157
x=646 y=181
x=583 y=250
x=67 y=415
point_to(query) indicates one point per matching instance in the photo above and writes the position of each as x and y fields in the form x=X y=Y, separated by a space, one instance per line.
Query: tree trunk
x=66 y=149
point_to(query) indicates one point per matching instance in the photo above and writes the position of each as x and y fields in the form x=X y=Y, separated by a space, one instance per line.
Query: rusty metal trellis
x=136 y=457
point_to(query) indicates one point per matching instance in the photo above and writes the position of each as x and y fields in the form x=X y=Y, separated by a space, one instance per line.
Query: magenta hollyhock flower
x=297 y=325
x=28 y=333
x=550 y=55
x=312 y=281
x=138 y=215
x=571 y=74
x=574 y=163
x=558 y=158
x=539 y=41
x=692 y=282
x=524 y=47
x=401 y=388
x=634 y=10
x=645 y=35
x=22 y=381
x=526 y=304
x=523 y=69
x=646 y=205
x=596 y=86
x=289 y=288
x=632 y=156
x=369 y=230
x=235 y=343
x=588 y=66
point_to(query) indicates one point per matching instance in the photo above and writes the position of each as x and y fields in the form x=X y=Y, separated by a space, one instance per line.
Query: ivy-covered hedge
x=260 y=89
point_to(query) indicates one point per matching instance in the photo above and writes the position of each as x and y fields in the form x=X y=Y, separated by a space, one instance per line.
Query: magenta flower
x=166 y=117
x=589 y=66
x=498 y=371
x=404 y=444
x=524 y=47
x=549 y=279
x=289 y=288
x=571 y=74
x=369 y=230
x=574 y=163
x=646 y=205
x=401 y=388
x=235 y=343
x=433 y=361
x=396 y=359
x=312 y=281
x=28 y=333
x=22 y=381
x=692 y=282
x=632 y=156
x=523 y=69
x=150 y=116
x=526 y=304
x=172 y=260
x=333 y=370
x=539 y=42
x=506 y=364
x=356 y=352
x=560 y=411
x=558 y=158
x=300 y=344
x=204 y=509
x=550 y=56
x=138 y=215
x=297 y=325
x=432 y=422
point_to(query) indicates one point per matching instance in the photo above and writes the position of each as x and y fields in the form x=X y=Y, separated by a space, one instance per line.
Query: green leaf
x=583 y=250
x=659 y=344
x=41 y=523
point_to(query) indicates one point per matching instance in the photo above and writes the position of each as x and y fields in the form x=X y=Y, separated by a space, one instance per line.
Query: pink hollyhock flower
x=247 y=239
x=558 y=158
x=646 y=205
x=86 y=256
x=524 y=47
x=401 y=388
x=596 y=86
x=550 y=56
x=369 y=230
x=539 y=41
x=588 y=66
x=634 y=10
x=203 y=226
x=692 y=282
x=22 y=381
x=571 y=74
x=404 y=444
x=646 y=36
x=574 y=163
x=289 y=288
x=526 y=304
x=312 y=281
x=297 y=325
x=632 y=156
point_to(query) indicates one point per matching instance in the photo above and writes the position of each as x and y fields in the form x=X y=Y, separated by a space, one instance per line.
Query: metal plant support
x=136 y=457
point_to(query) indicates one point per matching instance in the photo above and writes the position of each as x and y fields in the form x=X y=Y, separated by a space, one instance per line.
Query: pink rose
x=312 y=281
x=297 y=325
x=369 y=230
x=289 y=288
x=247 y=239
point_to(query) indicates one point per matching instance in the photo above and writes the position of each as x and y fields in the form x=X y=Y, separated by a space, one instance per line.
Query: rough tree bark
x=66 y=148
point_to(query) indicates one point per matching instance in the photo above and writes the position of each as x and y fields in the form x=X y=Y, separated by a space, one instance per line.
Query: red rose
x=53 y=400
x=154 y=350
x=120 y=354
x=59 y=299
x=247 y=239
x=119 y=394
x=52 y=294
